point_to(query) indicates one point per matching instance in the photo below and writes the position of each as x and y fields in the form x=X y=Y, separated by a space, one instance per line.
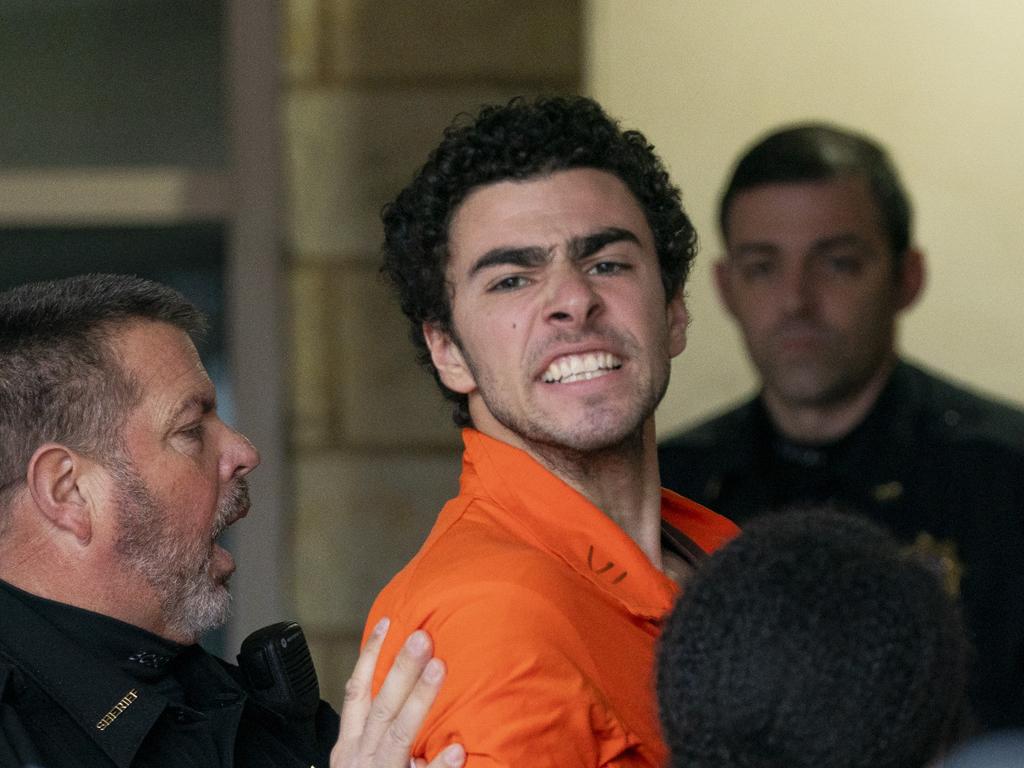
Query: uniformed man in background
x=820 y=263
x=116 y=478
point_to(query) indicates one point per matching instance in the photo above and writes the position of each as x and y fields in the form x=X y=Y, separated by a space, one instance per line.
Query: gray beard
x=191 y=602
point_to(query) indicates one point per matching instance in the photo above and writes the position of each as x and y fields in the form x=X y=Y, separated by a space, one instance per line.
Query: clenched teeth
x=570 y=368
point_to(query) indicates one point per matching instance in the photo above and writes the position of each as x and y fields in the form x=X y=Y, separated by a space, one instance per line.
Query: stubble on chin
x=609 y=432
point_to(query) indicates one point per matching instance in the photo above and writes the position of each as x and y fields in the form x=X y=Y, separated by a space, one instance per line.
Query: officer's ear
x=910 y=278
x=58 y=480
x=448 y=359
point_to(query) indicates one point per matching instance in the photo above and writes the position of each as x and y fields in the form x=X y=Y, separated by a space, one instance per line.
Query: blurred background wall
x=246 y=146
x=939 y=83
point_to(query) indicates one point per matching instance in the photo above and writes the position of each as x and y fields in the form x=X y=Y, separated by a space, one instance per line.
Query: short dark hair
x=519 y=140
x=59 y=376
x=811 y=640
x=821 y=152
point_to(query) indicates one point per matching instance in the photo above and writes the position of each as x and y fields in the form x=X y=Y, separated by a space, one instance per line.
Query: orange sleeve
x=519 y=690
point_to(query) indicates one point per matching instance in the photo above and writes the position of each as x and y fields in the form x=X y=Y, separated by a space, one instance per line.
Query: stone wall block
x=526 y=41
x=311 y=362
x=359 y=520
x=349 y=152
x=383 y=396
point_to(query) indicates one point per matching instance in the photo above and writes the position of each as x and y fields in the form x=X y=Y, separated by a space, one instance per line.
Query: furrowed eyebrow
x=582 y=247
x=531 y=256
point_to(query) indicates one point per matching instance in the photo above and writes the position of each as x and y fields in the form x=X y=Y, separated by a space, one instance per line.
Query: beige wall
x=940 y=82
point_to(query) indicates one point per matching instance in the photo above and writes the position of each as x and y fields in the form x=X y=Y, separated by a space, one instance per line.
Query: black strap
x=678 y=543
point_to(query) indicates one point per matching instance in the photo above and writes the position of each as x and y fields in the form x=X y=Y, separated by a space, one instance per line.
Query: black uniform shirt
x=939 y=466
x=81 y=689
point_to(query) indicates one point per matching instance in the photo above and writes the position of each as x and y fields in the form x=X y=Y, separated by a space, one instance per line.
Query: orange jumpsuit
x=546 y=614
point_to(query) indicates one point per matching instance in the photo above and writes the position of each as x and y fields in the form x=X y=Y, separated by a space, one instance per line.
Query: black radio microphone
x=279 y=668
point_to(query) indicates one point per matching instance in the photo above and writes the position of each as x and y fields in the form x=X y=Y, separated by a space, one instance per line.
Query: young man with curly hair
x=540 y=255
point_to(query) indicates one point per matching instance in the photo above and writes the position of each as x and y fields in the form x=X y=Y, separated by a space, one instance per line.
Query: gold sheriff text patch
x=117 y=709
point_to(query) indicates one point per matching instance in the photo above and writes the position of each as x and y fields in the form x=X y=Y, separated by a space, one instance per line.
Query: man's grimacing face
x=564 y=336
x=809 y=277
x=180 y=484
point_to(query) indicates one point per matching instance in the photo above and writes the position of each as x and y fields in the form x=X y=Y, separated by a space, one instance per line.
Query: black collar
x=114 y=708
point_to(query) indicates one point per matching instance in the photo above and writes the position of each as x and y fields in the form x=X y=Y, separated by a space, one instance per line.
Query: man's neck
x=818 y=423
x=622 y=481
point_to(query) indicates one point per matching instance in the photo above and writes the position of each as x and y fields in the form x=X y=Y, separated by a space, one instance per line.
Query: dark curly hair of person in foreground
x=518 y=141
x=812 y=641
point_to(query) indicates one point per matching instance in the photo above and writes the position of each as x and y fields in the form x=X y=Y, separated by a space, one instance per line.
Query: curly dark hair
x=812 y=641
x=821 y=152
x=519 y=140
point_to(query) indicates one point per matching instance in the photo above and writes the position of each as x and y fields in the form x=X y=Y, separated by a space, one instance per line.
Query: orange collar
x=534 y=503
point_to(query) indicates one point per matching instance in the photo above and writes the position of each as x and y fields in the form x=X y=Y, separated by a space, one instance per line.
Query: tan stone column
x=370 y=86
